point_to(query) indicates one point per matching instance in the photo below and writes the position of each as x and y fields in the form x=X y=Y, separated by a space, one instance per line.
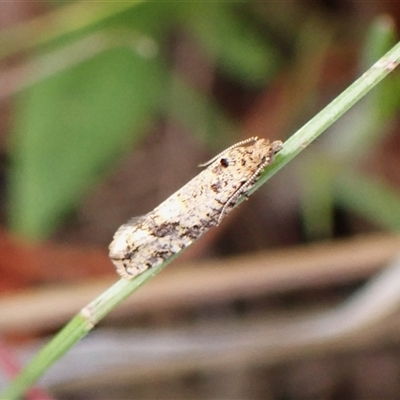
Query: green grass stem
x=90 y=315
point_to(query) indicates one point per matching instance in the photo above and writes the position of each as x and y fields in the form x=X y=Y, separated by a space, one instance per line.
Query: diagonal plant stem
x=332 y=112
x=90 y=315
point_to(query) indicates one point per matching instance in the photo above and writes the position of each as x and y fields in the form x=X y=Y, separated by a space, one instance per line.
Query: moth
x=149 y=240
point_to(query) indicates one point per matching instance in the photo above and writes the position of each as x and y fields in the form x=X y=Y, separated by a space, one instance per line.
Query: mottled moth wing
x=147 y=241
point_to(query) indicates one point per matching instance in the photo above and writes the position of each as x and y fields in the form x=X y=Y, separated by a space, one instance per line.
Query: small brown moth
x=147 y=241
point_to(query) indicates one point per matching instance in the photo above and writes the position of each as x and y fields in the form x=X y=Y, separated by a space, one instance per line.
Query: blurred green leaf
x=369 y=197
x=232 y=43
x=365 y=125
x=69 y=127
x=384 y=101
x=199 y=114
x=356 y=134
x=381 y=36
x=316 y=196
x=71 y=124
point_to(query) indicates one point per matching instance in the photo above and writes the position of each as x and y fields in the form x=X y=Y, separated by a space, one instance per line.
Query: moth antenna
x=252 y=139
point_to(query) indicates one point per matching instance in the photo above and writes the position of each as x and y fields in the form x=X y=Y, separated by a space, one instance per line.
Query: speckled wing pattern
x=147 y=241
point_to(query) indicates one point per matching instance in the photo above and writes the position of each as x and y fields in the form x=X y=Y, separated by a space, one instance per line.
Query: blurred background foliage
x=107 y=108
x=95 y=77
x=108 y=78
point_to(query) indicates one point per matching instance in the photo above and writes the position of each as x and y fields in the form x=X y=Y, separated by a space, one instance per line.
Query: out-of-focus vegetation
x=95 y=82
x=96 y=76
x=90 y=84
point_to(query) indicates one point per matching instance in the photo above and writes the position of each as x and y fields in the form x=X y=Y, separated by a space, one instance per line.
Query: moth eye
x=224 y=162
